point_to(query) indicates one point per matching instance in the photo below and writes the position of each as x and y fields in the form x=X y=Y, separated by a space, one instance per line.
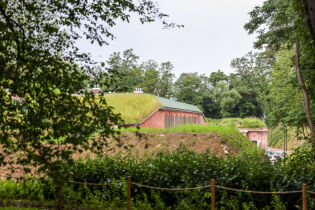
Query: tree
x=151 y=77
x=41 y=63
x=165 y=84
x=248 y=105
x=284 y=24
x=216 y=77
x=189 y=88
x=128 y=73
x=229 y=100
x=254 y=69
x=284 y=93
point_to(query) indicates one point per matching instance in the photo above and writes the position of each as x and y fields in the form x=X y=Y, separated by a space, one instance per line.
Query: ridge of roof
x=168 y=103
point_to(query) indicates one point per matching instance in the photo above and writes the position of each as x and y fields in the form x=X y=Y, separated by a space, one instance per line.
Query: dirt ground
x=152 y=143
x=148 y=144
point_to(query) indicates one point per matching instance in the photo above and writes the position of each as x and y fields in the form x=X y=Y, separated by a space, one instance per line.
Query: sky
x=212 y=36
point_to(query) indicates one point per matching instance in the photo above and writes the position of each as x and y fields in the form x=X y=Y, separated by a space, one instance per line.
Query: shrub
x=251 y=171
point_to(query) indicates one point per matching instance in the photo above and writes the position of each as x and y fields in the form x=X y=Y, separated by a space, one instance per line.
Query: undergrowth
x=178 y=170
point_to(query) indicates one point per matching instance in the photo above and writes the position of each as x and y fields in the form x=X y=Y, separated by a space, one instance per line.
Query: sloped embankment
x=152 y=143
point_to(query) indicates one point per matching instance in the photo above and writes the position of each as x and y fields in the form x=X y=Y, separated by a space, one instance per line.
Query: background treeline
x=217 y=95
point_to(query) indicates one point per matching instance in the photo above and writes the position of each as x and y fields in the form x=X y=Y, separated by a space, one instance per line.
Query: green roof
x=167 y=103
x=133 y=107
x=136 y=107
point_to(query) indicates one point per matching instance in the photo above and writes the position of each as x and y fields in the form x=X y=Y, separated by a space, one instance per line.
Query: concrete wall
x=260 y=136
x=157 y=120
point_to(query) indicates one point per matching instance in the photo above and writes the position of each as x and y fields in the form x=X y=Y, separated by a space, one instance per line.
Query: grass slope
x=226 y=134
x=249 y=122
x=191 y=128
x=133 y=107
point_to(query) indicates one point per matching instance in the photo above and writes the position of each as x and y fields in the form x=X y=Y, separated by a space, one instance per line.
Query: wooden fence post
x=304 y=197
x=128 y=193
x=212 y=194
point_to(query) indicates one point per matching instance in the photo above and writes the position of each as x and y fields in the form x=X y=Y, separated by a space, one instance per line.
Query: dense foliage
x=42 y=70
x=281 y=27
x=250 y=171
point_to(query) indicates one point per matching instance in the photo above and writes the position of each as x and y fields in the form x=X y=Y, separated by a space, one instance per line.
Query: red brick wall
x=157 y=120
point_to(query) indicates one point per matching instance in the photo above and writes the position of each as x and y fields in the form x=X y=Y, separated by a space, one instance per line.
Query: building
x=259 y=136
x=151 y=111
x=173 y=113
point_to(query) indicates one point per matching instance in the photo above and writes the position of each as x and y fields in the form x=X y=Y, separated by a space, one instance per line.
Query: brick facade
x=168 y=118
x=256 y=135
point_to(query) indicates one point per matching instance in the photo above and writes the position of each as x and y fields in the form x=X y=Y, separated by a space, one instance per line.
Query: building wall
x=172 y=118
x=260 y=136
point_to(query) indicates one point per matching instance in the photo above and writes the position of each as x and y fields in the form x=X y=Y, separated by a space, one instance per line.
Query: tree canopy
x=42 y=66
x=282 y=25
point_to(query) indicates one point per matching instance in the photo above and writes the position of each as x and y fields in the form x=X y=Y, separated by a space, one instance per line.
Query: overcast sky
x=213 y=35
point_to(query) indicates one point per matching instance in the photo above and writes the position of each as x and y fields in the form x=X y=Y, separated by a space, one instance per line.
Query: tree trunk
x=305 y=95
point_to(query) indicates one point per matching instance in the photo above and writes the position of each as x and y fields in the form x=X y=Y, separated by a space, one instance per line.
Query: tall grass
x=192 y=128
x=230 y=121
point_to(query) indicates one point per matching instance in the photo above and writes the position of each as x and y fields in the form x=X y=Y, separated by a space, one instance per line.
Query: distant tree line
x=217 y=95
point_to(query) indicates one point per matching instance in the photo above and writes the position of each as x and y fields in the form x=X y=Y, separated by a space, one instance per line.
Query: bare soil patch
x=152 y=143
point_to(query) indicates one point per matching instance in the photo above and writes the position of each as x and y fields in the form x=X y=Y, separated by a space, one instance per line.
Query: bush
x=187 y=169
x=183 y=168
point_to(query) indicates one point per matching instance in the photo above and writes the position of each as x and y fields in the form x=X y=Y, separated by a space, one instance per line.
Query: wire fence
x=213 y=187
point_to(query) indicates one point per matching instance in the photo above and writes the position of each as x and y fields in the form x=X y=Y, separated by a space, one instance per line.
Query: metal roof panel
x=167 y=103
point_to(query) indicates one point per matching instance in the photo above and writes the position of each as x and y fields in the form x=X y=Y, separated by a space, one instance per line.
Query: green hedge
x=183 y=169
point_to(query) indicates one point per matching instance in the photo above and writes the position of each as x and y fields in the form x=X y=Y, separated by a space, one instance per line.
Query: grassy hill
x=133 y=107
x=212 y=138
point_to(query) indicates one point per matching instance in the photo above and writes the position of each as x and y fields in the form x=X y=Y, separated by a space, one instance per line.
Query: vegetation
x=249 y=122
x=294 y=137
x=228 y=134
x=282 y=28
x=181 y=169
x=132 y=107
x=42 y=65
x=195 y=128
x=252 y=123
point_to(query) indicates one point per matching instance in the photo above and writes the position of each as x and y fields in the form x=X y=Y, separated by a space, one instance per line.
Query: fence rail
x=257 y=192
x=304 y=190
